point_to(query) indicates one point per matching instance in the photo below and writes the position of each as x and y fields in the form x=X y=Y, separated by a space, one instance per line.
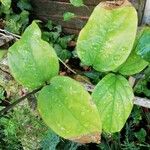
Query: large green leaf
x=114 y=99
x=107 y=39
x=32 y=61
x=134 y=64
x=143 y=46
x=69 y=110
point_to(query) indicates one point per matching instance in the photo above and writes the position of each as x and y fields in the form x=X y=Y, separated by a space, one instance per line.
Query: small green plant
x=15 y=21
x=68 y=15
x=107 y=45
x=142 y=86
x=77 y=3
x=22 y=129
x=53 y=35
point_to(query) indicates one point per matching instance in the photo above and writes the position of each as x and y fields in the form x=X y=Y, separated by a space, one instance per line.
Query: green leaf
x=62 y=53
x=16 y=23
x=12 y=23
x=143 y=46
x=49 y=25
x=68 y=16
x=63 y=41
x=50 y=141
x=141 y=135
x=142 y=86
x=32 y=61
x=114 y=99
x=107 y=39
x=24 y=5
x=77 y=3
x=54 y=35
x=24 y=20
x=95 y=76
x=68 y=110
x=6 y=4
x=134 y=64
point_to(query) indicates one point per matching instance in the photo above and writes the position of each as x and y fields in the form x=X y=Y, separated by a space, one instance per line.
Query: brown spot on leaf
x=115 y=4
x=89 y=138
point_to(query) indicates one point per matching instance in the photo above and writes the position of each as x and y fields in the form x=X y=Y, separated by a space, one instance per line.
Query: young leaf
x=68 y=16
x=114 y=99
x=77 y=3
x=134 y=63
x=143 y=46
x=68 y=110
x=32 y=61
x=107 y=39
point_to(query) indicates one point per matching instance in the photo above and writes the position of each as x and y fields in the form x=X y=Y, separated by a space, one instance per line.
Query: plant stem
x=11 y=106
x=144 y=102
x=9 y=33
x=67 y=66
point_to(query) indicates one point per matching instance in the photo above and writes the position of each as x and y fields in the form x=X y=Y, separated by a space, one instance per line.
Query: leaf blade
x=134 y=64
x=32 y=61
x=143 y=46
x=69 y=112
x=114 y=99
x=107 y=39
x=68 y=16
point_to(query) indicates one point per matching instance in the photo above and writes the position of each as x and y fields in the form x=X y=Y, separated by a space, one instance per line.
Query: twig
x=144 y=102
x=5 y=39
x=67 y=66
x=5 y=35
x=132 y=81
x=12 y=34
x=88 y=87
x=146 y=16
x=11 y=106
